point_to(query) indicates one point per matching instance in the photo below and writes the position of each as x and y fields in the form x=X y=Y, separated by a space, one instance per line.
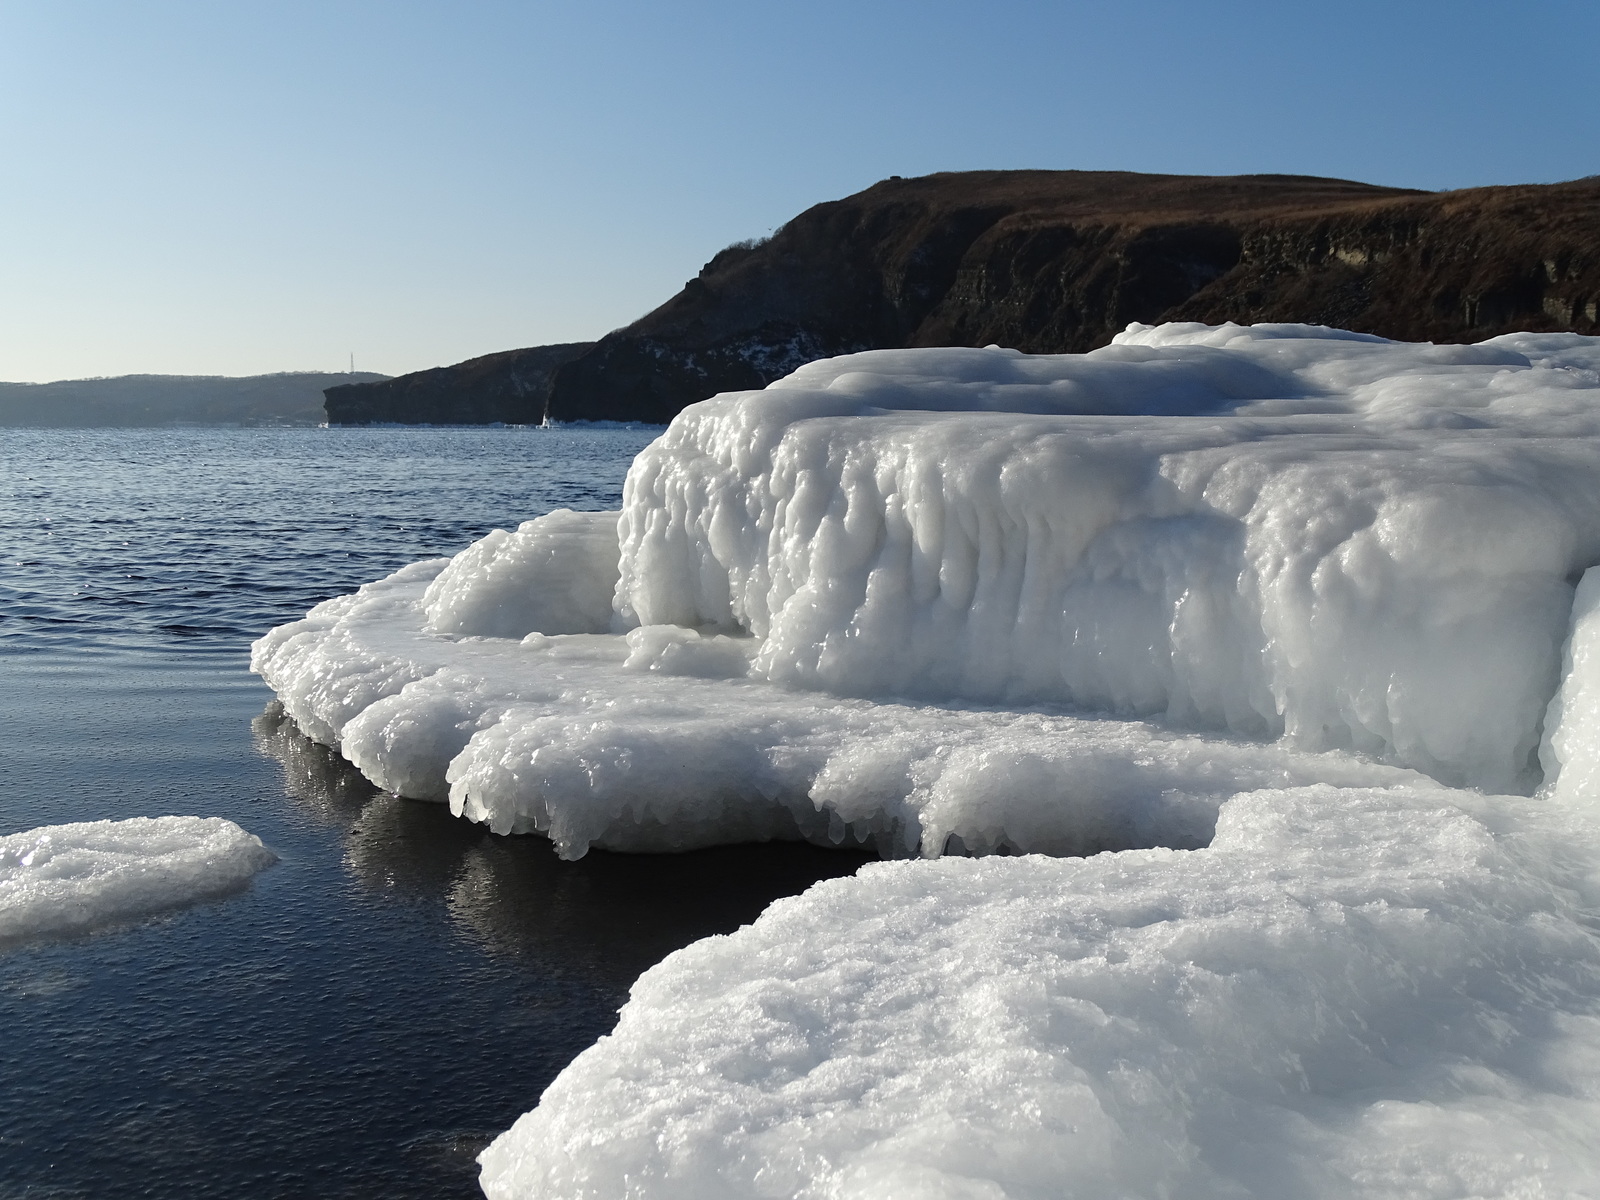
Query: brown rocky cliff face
x=1052 y=261
x=1062 y=261
x=1460 y=266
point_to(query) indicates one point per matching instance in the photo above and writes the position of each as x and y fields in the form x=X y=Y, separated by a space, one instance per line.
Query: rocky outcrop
x=1051 y=261
x=510 y=387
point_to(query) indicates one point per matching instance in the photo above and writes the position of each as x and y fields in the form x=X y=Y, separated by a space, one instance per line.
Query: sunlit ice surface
x=1290 y=623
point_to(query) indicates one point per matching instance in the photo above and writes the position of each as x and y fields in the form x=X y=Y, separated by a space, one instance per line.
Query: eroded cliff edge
x=1051 y=261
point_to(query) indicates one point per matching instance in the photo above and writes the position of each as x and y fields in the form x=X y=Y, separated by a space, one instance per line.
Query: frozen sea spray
x=1386 y=992
x=60 y=880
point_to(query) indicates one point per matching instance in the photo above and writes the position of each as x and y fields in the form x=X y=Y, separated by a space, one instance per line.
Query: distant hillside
x=289 y=398
x=509 y=387
x=1052 y=261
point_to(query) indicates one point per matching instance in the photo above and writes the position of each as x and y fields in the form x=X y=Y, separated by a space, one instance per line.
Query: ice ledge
x=1385 y=993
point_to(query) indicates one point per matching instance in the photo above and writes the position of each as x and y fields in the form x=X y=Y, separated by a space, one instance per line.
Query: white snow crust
x=1293 y=624
x=60 y=880
x=1350 y=992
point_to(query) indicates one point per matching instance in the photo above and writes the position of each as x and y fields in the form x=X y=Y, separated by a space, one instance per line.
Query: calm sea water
x=401 y=985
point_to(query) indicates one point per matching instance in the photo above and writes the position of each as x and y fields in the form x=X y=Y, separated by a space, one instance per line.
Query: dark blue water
x=401 y=985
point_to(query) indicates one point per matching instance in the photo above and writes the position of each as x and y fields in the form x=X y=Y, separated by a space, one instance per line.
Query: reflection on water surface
x=604 y=918
x=401 y=985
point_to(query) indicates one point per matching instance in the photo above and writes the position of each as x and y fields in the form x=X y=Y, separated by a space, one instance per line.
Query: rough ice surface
x=658 y=740
x=1571 y=750
x=1294 y=625
x=61 y=880
x=1350 y=992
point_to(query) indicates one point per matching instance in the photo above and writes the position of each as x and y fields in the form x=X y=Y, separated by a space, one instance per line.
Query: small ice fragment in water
x=60 y=880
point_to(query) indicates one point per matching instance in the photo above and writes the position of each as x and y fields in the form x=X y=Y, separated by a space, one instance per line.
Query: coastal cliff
x=1052 y=261
x=510 y=387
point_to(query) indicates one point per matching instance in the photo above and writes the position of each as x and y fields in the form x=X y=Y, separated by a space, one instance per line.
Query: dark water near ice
x=401 y=985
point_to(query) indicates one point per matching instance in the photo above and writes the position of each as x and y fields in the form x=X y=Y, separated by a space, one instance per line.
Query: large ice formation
x=60 y=880
x=1289 y=618
x=1345 y=544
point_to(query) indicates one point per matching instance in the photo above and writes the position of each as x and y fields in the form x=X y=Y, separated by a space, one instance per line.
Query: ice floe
x=60 y=880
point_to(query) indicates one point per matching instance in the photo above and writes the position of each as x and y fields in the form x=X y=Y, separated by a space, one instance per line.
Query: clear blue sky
x=232 y=187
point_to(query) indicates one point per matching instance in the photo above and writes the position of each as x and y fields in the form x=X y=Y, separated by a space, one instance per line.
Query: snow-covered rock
x=1354 y=543
x=60 y=880
x=556 y=575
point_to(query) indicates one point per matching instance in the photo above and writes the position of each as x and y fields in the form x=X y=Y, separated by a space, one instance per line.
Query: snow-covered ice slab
x=60 y=880
x=1277 y=614
x=1348 y=542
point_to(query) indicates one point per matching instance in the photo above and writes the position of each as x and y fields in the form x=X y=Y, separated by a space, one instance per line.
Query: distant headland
x=286 y=398
x=1047 y=261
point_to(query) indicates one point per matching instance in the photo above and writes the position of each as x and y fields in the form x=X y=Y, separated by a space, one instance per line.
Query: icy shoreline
x=1242 y=604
